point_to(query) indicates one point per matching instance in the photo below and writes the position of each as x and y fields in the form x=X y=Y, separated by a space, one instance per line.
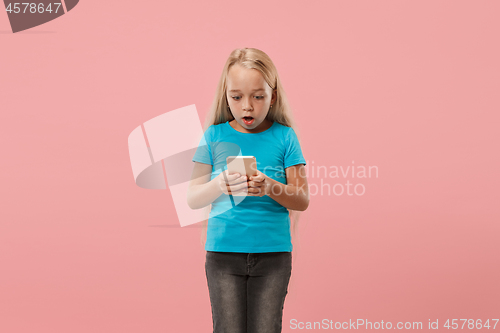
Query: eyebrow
x=236 y=90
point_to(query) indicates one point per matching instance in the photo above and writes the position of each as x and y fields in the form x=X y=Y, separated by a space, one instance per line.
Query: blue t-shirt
x=249 y=224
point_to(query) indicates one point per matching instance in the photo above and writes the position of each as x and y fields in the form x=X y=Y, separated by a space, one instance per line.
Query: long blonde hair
x=281 y=111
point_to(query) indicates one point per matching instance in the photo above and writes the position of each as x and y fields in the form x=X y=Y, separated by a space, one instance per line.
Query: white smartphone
x=244 y=165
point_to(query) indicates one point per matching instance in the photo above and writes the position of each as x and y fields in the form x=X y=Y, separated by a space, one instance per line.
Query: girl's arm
x=293 y=195
x=201 y=190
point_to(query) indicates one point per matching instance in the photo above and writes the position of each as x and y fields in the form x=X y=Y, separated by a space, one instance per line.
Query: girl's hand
x=235 y=184
x=258 y=185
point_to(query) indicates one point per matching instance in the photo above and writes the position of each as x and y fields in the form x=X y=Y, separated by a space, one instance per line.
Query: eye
x=261 y=97
x=234 y=97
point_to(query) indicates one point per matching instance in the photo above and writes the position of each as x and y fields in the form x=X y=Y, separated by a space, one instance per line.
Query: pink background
x=408 y=86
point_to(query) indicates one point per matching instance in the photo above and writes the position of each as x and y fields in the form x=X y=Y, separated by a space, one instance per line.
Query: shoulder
x=214 y=130
x=219 y=127
x=286 y=132
x=281 y=129
x=279 y=126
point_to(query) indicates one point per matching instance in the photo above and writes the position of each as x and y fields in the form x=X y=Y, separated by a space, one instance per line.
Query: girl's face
x=249 y=97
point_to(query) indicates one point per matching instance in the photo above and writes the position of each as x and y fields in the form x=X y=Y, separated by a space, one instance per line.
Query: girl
x=248 y=259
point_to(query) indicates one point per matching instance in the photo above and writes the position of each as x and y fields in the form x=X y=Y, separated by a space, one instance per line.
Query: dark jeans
x=247 y=290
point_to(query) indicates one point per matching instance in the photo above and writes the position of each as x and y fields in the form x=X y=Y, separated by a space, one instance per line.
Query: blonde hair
x=280 y=112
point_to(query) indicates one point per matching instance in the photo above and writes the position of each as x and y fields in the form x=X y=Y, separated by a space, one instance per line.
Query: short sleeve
x=293 y=152
x=203 y=153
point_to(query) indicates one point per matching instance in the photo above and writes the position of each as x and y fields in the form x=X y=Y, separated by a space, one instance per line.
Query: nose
x=247 y=106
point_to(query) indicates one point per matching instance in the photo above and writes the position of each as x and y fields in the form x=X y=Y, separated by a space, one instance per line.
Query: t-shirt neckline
x=265 y=131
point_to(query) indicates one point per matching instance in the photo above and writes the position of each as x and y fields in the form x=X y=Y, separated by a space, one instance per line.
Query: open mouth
x=248 y=120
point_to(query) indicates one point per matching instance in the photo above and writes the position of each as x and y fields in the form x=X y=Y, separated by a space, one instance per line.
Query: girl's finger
x=239 y=180
x=237 y=187
x=238 y=192
x=255 y=192
x=232 y=176
x=256 y=184
x=258 y=178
